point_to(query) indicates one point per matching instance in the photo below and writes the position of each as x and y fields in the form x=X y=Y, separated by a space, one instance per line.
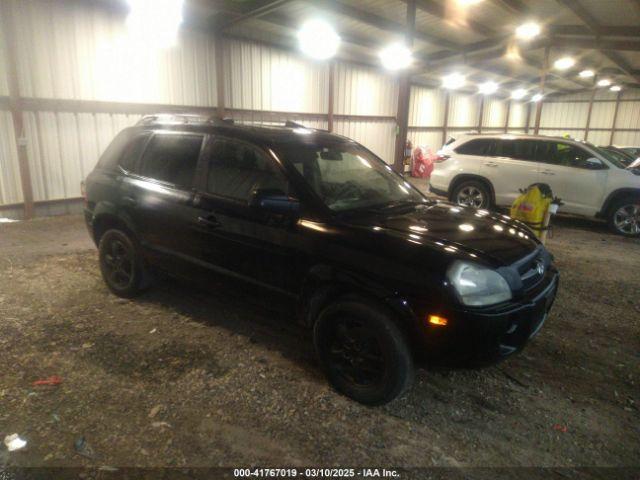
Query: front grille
x=532 y=268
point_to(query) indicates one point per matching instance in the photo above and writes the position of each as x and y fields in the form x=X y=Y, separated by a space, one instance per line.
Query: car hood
x=486 y=235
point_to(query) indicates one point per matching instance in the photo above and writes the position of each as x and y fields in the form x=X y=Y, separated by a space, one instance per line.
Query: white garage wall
x=80 y=51
x=10 y=185
x=494 y=113
x=426 y=107
x=364 y=91
x=377 y=135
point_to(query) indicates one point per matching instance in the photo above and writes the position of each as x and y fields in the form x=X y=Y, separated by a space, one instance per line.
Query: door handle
x=129 y=201
x=491 y=164
x=209 y=221
x=547 y=172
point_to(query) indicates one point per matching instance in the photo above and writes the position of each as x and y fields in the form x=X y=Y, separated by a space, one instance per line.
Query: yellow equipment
x=532 y=208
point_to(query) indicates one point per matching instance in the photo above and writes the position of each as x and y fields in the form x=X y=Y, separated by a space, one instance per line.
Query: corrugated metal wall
x=78 y=50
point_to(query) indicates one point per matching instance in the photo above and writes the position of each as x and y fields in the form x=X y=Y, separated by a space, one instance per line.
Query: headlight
x=476 y=285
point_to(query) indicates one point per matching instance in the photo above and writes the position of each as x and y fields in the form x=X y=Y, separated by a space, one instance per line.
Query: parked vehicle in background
x=622 y=155
x=633 y=151
x=485 y=171
x=384 y=276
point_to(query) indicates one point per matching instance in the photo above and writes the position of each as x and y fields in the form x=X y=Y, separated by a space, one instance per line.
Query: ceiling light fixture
x=518 y=94
x=586 y=73
x=528 y=30
x=318 y=39
x=488 y=88
x=396 y=56
x=615 y=88
x=605 y=82
x=564 y=63
x=537 y=97
x=155 y=20
x=453 y=81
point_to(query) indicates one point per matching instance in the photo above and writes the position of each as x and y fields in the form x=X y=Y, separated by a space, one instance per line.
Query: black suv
x=385 y=276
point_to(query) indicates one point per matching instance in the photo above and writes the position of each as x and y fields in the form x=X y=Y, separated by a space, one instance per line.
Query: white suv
x=488 y=170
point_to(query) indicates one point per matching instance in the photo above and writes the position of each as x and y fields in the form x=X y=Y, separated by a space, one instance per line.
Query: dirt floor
x=177 y=378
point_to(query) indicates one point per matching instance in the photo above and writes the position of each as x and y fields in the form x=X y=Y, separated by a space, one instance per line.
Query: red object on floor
x=422 y=163
x=560 y=428
x=53 y=380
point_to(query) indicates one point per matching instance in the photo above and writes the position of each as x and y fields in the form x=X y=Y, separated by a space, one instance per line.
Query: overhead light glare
x=468 y=3
x=615 y=88
x=564 y=63
x=318 y=39
x=537 y=97
x=605 y=82
x=586 y=73
x=488 y=88
x=396 y=56
x=453 y=81
x=518 y=94
x=528 y=30
x=155 y=21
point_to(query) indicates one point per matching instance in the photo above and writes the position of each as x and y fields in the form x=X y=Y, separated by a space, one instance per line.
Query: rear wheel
x=363 y=353
x=121 y=266
x=472 y=193
x=624 y=216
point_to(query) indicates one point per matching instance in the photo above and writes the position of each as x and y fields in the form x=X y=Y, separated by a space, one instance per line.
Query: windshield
x=619 y=158
x=347 y=177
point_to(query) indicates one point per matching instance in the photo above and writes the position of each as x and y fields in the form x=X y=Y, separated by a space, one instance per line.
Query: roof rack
x=183 y=119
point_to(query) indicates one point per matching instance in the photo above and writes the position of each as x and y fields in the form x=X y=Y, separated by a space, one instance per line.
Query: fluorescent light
x=518 y=94
x=468 y=3
x=616 y=88
x=155 y=21
x=487 y=88
x=318 y=39
x=605 y=82
x=586 y=73
x=396 y=56
x=528 y=30
x=564 y=63
x=537 y=97
x=453 y=81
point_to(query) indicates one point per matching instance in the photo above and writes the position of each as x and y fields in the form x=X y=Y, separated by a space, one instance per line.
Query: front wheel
x=624 y=217
x=472 y=193
x=362 y=351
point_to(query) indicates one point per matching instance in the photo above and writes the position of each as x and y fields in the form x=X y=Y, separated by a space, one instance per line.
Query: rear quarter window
x=111 y=156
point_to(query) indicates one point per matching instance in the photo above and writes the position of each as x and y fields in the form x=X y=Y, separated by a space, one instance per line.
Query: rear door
x=512 y=166
x=578 y=183
x=158 y=195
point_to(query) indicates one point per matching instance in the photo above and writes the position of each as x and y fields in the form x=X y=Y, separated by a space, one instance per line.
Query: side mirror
x=593 y=163
x=274 y=201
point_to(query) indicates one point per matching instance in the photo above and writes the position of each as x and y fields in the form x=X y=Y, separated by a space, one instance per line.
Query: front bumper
x=486 y=336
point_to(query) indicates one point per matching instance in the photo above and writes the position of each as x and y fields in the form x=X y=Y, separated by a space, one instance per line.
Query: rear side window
x=111 y=156
x=172 y=158
x=516 y=149
x=479 y=146
x=133 y=151
x=236 y=169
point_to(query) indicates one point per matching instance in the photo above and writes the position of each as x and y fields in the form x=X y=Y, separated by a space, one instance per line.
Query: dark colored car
x=384 y=276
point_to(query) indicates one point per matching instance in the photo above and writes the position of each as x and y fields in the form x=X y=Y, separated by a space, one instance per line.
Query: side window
x=131 y=155
x=565 y=155
x=525 y=150
x=505 y=148
x=236 y=169
x=110 y=157
x=479 y=146
x=172 y=158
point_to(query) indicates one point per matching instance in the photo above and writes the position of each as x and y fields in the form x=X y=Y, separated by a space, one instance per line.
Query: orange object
x=53 y=380
x=436 y=320
x=560 y=428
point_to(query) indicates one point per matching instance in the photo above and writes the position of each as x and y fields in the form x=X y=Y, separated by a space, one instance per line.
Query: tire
x=121 y=265
x=472 y=193
x=624 y=216
x=362 y=351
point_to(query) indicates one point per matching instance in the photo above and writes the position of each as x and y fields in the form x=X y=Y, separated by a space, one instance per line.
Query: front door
x=579 y=183
x=234 y=238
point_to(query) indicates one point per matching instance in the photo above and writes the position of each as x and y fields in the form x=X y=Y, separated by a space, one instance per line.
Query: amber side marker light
x=436 y=320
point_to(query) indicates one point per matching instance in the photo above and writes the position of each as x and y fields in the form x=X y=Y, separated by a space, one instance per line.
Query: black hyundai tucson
x=384 y=276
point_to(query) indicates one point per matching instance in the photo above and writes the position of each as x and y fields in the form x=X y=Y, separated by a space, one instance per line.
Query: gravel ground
x=180 y=377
